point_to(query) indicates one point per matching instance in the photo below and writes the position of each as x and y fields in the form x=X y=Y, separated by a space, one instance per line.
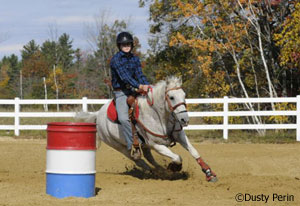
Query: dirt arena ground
x=251 y=169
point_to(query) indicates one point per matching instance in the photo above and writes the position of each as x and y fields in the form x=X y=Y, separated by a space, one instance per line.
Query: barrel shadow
x=97 y=190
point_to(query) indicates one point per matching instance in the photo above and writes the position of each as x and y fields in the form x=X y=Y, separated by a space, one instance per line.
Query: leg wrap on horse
x=210 y=175
x=203 y=165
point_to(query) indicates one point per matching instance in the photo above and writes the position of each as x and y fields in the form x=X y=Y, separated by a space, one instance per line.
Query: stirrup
x=136 y=152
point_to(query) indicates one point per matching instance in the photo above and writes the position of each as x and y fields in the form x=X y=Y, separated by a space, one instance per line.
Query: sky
x=24 y=20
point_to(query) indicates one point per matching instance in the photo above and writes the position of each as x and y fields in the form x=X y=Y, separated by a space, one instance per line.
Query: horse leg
x=148 y=156
x=139 y=162
x=176 y=164
x=123 y=149
x=184 y=141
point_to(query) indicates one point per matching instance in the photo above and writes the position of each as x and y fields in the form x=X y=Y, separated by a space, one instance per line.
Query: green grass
x=239 y=136
x=31 y=134
x=212 y=136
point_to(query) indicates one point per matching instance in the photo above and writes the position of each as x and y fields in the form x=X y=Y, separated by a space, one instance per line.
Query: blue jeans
x=122 y=110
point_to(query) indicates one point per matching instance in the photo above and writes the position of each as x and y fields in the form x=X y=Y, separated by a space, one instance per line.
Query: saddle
x=112 y=111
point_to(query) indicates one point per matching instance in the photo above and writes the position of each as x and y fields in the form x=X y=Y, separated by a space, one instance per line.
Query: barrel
x=71 y=159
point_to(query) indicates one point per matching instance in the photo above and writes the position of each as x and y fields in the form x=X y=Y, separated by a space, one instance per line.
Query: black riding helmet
x=124 y=38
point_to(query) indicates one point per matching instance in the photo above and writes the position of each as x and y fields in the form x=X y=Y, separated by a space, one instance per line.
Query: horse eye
x=171 y=98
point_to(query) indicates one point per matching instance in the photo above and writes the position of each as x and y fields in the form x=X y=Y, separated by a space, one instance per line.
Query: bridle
x=171 y=107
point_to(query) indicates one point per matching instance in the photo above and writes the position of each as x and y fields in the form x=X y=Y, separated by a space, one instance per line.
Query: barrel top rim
x=71 y=124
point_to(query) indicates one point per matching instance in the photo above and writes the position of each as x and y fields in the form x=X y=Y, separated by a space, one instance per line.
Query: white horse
x=162 y=114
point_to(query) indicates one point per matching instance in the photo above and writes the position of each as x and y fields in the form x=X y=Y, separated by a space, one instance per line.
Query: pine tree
x=65 y=51
x=29 y=49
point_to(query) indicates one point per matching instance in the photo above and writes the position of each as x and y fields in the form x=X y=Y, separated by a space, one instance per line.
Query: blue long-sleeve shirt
x=126 y=71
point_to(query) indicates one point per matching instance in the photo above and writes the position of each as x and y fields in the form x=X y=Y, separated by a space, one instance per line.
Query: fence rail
x=84 y=102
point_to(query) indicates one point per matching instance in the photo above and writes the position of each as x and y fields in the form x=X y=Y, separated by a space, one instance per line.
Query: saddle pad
x=112 y=112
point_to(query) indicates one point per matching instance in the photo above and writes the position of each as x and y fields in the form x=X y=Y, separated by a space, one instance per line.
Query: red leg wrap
x=203 y=165
x=206 y=169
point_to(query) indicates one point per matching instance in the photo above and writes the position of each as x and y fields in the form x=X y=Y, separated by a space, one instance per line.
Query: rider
x=127 y=77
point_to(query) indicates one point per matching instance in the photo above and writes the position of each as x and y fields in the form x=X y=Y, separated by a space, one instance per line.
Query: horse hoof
x=212 y=179
x=174 y=167
x=210 y=175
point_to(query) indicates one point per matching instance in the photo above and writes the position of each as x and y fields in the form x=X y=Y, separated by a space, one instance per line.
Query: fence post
x=17 y=117
x=225 y=118
x=84 y=104
x=298 y=119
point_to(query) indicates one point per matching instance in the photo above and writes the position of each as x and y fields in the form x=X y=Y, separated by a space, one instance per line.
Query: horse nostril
x=183 y=120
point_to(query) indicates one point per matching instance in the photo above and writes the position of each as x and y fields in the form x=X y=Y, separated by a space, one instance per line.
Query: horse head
x=175 y=100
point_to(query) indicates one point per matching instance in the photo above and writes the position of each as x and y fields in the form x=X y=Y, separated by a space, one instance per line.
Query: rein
x=148 y=99
x=172 y=108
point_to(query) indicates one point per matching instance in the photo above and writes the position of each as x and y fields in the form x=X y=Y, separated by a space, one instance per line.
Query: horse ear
x=180 y=80
x=167 y=80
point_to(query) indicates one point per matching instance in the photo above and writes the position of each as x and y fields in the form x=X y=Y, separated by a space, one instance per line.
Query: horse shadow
x=156 y=174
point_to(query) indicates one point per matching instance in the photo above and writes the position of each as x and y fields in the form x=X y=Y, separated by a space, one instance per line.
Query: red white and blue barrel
x=71 y=159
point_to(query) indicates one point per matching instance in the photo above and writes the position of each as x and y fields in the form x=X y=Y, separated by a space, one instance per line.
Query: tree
x=49 y=51
x=14 y=73
x=34 y=69
x=230 y=41
x=288 y=39
x=4 y=80
x=234 y=36
x=60 y=55
x=63 y=83
x=29 y=49
x=65 y=51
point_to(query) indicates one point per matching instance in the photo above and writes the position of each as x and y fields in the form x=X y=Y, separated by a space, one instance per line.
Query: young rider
x=127 y=76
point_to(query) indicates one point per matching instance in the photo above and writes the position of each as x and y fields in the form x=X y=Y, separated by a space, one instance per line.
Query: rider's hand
x=143 y=88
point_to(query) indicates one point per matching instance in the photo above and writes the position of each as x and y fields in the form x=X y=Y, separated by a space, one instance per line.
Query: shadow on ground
x=157 y=174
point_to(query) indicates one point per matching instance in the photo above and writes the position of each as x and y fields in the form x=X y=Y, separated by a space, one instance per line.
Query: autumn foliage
x=236 y=48
x=233 y=47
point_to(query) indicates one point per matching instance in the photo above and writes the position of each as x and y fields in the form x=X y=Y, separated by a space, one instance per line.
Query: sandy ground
x=252 y=169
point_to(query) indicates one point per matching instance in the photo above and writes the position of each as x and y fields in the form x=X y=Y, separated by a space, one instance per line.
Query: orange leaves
x=205 y=62
x=4 y=77
x=189 y=9
x=201 y=44
x=62 y=79
x=177 y=39
x=289 y=40
x=35 y=66
x=216 y=84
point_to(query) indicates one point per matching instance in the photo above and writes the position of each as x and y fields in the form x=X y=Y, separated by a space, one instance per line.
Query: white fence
x=17 y=114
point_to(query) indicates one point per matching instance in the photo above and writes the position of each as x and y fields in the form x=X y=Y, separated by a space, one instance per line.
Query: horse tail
x=91 y=118
x=86 y=117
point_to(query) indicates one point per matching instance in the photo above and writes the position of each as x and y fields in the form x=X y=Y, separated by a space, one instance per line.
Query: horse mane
x=159 y=89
